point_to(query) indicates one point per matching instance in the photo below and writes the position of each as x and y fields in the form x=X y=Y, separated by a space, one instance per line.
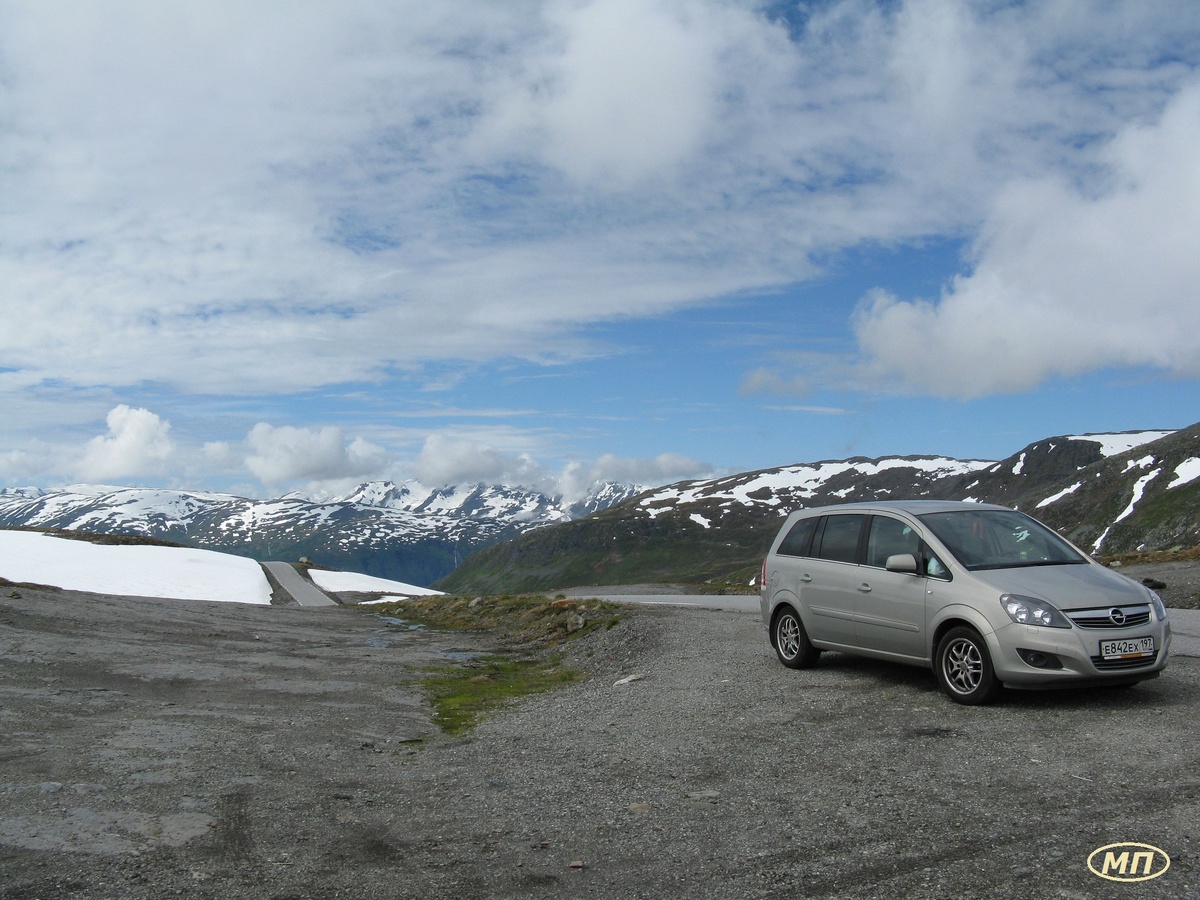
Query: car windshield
x=999 y=539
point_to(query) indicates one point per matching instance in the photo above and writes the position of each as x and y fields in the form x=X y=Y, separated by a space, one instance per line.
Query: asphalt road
x=303 y=591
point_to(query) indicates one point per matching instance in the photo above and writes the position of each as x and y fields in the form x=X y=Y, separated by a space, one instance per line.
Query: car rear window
x=839 y=538
x=799 y=538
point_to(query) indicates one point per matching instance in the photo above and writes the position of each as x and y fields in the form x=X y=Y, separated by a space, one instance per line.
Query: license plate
x=1127 y=648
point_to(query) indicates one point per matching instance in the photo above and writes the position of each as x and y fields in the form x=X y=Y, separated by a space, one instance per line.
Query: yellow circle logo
x=1128 y=862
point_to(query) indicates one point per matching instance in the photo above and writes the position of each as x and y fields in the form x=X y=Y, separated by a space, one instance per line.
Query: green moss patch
x=526 y=628
x=464 y=693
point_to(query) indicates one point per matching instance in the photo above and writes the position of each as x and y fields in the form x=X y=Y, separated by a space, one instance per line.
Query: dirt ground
x=163 y=748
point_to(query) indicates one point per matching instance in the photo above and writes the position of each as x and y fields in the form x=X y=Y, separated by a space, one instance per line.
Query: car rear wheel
x=791 y=640
x=964 y=667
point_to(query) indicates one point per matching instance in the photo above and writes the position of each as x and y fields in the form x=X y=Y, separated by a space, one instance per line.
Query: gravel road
x=153 y=749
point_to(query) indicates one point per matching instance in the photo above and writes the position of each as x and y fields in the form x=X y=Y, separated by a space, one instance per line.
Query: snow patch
x=339 y=582
x=1063 y=493
x=700 y=520
x=1138 y=490
x=1187 y=471
x=177 y=573
x=1114 y=444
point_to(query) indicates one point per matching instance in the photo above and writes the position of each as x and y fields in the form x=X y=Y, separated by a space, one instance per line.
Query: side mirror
x=902 y=562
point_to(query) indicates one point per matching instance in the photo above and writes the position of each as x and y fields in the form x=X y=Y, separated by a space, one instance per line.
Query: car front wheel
x=964 y=667
x=791 y=640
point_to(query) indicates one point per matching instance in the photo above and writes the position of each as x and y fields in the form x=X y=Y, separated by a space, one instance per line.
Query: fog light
x=1040 y=660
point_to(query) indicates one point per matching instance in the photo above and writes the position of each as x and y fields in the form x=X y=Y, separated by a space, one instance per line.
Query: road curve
x=302 y=590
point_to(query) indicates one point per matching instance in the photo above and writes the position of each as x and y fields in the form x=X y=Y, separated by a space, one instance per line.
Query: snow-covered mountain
x=1110 y=493
x=403 y=531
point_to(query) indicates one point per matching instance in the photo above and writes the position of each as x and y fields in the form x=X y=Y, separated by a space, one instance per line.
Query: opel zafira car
x=985 y=596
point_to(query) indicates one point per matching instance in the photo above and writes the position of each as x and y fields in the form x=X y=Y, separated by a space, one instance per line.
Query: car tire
x=964 y=667
x=791 y=640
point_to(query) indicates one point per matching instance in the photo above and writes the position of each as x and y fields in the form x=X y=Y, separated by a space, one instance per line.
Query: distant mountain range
x=403 y=531
x=1110 y=493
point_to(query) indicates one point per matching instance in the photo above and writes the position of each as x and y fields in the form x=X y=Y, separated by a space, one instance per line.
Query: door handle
x=806 y=578
x=864 y=588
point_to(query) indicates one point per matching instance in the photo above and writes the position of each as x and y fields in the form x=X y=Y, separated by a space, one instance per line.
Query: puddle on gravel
x=459 y=655
x=397 y=631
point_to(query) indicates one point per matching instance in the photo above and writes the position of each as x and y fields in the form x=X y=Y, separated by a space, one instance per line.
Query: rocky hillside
x=1109 y=493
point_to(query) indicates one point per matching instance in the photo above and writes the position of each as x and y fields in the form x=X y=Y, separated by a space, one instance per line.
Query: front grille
x=1104 y=617
x=1109 y=665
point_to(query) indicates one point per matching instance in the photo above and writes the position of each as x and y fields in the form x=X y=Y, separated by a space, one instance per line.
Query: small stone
x=575 y=864
x=628 y=679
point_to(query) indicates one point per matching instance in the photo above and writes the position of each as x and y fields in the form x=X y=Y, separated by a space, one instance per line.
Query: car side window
x=839 y=538
x=889 y=537
x=799 y=538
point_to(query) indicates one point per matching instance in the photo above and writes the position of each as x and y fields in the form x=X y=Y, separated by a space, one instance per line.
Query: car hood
x=1067 y=587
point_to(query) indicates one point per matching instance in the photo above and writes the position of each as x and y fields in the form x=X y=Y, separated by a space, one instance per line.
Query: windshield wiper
x=1027 y=564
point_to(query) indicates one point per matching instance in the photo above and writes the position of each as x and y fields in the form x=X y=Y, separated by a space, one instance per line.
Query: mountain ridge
x=402 y=531
x=1107 y=492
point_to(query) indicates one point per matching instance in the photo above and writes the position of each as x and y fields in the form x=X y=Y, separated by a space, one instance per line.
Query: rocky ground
x=157 y=748
x=1178 y=583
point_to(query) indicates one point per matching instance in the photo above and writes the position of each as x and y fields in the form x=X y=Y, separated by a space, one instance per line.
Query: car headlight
x=1160 y=608
x=1028 y=611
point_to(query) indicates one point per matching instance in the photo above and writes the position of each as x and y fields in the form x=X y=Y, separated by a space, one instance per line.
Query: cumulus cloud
x=446 y=458
x=286 y=453
x=451 y=459
x=1068 y=277
x=137 y=443
x=577 y=477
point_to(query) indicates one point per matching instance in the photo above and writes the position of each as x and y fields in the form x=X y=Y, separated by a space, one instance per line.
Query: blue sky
x=266 y=246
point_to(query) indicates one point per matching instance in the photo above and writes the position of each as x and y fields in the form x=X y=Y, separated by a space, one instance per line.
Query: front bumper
x=1026 y=656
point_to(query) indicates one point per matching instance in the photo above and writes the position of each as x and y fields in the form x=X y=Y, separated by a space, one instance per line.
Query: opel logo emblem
x=1117 y=616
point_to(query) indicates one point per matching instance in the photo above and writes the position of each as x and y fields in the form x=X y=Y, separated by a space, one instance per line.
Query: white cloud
x=1069 y=278
x=451 y=459
x=577 y=477
x=223 y=199
x=137 y=443
x=447 y=458
x=218 y=198
x=623 y=91
x=286 y=453
x=765 y=380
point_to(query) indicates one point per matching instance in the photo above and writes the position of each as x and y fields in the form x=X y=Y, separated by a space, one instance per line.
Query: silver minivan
x=984 y=595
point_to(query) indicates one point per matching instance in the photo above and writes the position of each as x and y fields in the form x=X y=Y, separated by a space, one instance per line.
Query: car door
x=830 y=579
x=890 y=614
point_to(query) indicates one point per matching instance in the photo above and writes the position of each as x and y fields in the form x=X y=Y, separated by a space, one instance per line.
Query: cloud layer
x=230 y=199
x=1067 y=278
